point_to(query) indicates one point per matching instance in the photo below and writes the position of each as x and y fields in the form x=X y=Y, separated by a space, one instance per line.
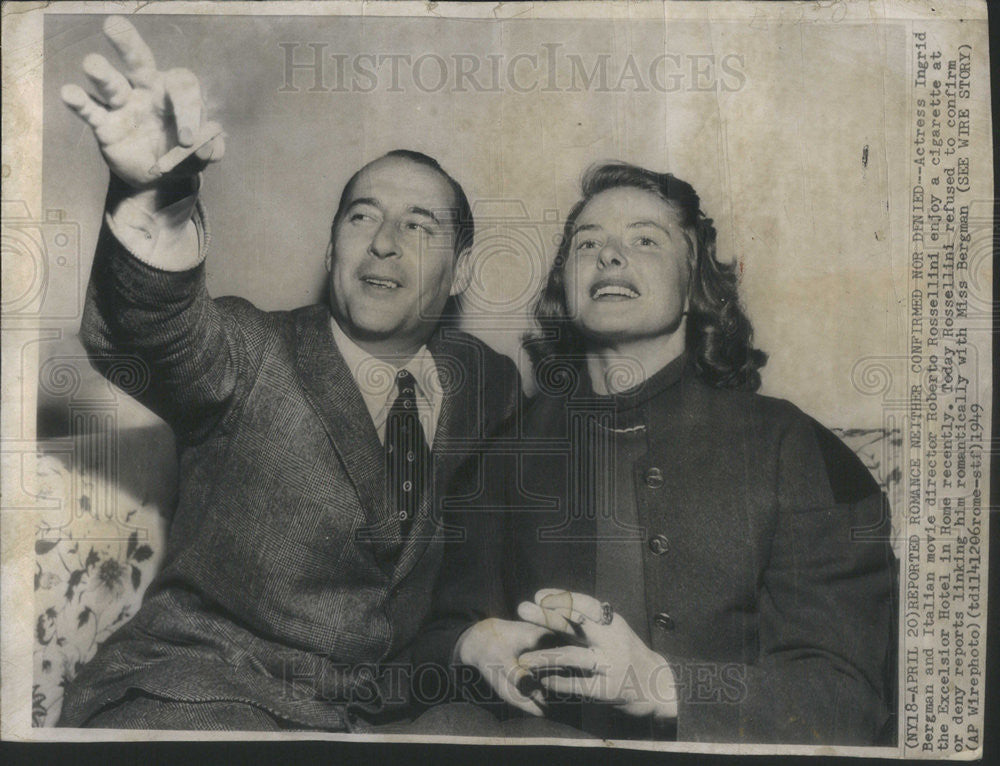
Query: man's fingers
x=521 y=702
x=90 y=111
x=140 y=66
x=578 y=657
x=181 y=155
x=568 y=686
x=111 y=84
x=534 y=627
x=545 y=618
x=588 y=687
x=506 y=680
x=567 y=603
x=184 y=93
x=213 y=150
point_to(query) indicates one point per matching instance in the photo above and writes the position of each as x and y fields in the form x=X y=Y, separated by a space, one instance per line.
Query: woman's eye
x=645 y=242
x=588 y=244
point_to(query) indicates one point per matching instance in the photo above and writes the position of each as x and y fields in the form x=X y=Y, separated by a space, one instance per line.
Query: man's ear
x=329 y=256
x=463 y=272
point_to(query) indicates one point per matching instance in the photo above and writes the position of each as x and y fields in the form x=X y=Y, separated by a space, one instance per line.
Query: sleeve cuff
x=172 y=238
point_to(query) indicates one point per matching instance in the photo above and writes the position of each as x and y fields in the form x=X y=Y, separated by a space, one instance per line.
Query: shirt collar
x=376 y=379
x=376 y=376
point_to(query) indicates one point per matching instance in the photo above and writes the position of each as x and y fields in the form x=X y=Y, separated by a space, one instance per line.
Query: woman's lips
x=614 y=289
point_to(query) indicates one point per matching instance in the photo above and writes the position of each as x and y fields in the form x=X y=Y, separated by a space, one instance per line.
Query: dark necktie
x=407 y=455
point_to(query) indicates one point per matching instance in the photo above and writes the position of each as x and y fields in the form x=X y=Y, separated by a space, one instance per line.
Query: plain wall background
x=778 y=163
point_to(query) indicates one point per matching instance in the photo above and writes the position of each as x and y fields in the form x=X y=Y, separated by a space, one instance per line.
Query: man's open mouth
x=383 y=283
x=613 y=290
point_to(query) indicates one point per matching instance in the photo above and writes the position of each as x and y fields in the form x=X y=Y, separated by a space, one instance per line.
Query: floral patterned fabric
x=90 y=574
x=94 y=559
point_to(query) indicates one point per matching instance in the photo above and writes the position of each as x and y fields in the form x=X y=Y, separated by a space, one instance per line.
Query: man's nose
x=383 y=244
x=611 y=254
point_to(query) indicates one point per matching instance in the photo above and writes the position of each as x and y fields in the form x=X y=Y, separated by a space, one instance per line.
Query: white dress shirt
x=379 y=386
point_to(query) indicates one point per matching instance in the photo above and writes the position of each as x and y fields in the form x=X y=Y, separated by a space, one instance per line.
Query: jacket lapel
x=334 y=395
x=460 y=426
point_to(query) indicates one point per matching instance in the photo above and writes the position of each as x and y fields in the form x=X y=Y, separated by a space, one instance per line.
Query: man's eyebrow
x=370 y=201
x=647 y=222
x=425 y=212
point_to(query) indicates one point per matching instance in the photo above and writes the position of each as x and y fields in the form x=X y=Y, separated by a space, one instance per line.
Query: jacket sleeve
x=189 y=350
x=825 y=613
x=472 y=582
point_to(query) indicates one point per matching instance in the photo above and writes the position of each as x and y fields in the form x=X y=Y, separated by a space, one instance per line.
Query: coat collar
x=651 y=387
x=338 y=402
x=549 y=409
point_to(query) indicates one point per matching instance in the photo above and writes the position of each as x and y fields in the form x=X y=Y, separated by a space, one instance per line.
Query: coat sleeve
x=472 y=583
x=469 y=586
x=825 y=613
x=190 y=350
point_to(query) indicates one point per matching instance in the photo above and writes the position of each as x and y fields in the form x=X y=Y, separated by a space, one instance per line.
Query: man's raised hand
x=140 y=114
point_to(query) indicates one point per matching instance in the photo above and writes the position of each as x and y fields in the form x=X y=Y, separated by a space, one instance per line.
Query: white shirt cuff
x=166 y=239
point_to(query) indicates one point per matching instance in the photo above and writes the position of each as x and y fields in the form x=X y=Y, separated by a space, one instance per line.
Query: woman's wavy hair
x=719 y=335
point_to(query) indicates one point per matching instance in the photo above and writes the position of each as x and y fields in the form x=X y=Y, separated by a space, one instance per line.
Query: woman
x=683 y=557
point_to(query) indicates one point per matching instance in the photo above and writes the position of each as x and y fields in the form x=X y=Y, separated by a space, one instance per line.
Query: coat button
x=659 y=544
x=654 y=478
x=664 y=621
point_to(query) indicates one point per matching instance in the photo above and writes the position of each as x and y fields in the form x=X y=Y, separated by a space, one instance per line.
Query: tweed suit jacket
x=769 y=580
x=286 y=584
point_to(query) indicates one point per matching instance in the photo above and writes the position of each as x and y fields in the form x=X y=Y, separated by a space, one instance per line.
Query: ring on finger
x=607 y=614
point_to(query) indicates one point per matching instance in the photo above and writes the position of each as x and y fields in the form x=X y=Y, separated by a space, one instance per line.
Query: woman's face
x=628 y=269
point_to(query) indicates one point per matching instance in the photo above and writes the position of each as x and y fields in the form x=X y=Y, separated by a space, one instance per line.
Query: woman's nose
x=610 y=255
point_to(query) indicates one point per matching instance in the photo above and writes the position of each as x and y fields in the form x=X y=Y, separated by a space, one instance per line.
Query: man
x=315 y=445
